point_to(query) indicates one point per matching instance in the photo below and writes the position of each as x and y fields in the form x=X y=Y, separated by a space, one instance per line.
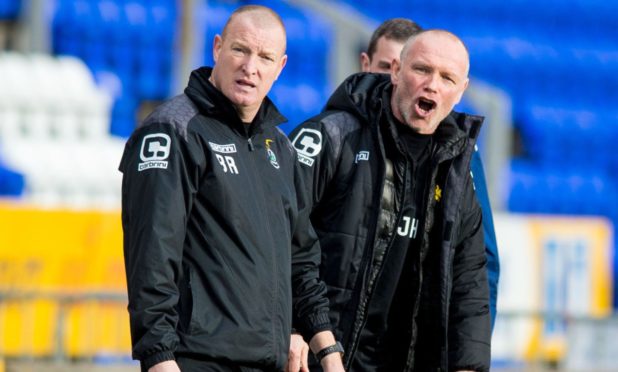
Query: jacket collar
x=454 y=133
x=212 y=102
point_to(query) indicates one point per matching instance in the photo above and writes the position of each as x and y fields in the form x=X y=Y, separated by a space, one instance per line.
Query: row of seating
x=570 y=138
x=537 y=189
x=550 y=20
x=133 y=39
x=54 y=130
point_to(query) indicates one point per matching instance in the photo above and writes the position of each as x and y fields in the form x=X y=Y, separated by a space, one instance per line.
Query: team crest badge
x=271 y=154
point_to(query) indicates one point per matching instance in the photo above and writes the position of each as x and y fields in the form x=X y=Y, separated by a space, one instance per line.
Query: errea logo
x=154 y=151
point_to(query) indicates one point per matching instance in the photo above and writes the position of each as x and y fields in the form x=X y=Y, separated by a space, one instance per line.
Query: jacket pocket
x=185 y=301
x=197 y=299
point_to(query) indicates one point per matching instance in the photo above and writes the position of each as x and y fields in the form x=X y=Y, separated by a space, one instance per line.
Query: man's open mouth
x=425 y=105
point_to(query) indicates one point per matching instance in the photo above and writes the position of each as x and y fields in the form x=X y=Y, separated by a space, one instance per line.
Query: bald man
x=219 y=250
x=385 y=46
x=387 y=165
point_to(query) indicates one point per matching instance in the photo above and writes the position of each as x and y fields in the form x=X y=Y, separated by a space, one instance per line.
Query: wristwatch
x=336 y=348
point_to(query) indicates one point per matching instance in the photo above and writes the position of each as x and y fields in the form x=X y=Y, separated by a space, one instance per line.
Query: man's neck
x=245 y=115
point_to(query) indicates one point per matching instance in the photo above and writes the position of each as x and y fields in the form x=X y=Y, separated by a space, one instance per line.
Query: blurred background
x=77 y=75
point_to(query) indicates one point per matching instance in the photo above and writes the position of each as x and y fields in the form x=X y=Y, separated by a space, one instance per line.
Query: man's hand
x=167 y=366
x=297 y=358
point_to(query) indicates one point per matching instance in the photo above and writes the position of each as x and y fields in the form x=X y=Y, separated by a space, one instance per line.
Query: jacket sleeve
x=157 y=193
x=309 y=292
x=317 y=159
x=469 y=318
x=491 y=244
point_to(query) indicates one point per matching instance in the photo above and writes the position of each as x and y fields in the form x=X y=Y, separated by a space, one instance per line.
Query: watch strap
x=336 y=348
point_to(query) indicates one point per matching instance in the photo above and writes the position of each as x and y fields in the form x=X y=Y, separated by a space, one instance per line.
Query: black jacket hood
x=360 y=94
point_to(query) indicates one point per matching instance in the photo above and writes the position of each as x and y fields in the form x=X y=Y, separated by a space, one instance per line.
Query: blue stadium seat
x=11 y=182
x=10 y=9
x=212 y=19
x=133 y=38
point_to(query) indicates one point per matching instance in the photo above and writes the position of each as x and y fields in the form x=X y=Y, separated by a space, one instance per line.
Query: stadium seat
x=55 y=139
x=10 y=9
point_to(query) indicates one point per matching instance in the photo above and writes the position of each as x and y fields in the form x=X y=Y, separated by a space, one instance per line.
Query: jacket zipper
x=251 y=148
x=365 y=304
x=424 y=246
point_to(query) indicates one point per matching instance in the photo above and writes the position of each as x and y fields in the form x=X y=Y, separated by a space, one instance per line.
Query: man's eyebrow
x=268 y=53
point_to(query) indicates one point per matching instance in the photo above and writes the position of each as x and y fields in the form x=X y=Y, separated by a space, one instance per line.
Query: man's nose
x=250 y=65
x=432 y=82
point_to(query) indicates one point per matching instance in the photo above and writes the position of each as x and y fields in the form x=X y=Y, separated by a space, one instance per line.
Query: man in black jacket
x=219 y=251
x=384 y=47
x=388 y=172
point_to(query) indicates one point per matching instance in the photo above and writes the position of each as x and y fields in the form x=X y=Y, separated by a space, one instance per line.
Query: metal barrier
x=64 y=326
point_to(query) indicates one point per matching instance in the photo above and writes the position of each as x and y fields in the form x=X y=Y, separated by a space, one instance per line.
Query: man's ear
x=216 y=47
x=465 y=86
x=282 y=63
x=365 y=62
x=395 y=67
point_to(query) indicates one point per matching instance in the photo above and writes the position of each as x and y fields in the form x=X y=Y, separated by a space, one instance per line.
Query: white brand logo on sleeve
x=224 y=149
x=155 y=149
x=308 y=144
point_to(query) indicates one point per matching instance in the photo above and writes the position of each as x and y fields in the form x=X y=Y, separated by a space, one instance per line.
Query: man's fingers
x=304 y=364
x=297 y=356
x=293 y=364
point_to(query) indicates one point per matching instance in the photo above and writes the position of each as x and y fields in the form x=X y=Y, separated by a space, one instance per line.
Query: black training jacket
x=342 y=151
x=217 y=238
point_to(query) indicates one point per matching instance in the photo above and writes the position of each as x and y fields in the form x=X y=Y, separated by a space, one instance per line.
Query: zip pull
x=251 y=148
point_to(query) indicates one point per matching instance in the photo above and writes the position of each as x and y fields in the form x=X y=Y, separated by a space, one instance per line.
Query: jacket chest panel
x=243 y=174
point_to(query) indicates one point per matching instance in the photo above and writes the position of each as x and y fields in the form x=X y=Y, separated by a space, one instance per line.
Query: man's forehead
x=269 y=36
x=385 y=44
x=260 y=39
x=443 y=47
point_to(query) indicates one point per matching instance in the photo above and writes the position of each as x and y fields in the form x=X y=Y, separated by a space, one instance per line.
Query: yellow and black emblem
x=438 y=193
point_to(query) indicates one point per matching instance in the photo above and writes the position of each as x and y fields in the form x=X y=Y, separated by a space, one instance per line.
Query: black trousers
x=191 y=364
